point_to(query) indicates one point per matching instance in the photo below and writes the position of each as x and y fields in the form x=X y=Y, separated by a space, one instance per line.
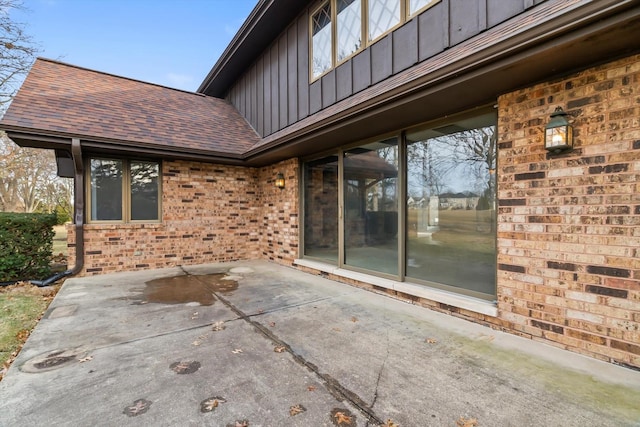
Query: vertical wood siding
x=276 y=91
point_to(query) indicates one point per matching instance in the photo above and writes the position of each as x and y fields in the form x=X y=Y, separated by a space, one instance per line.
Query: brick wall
x=210 y=213
x=569 y=225
x=279 y=213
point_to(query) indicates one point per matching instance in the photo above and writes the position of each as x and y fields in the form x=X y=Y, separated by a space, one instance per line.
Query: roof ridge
x=66 y=64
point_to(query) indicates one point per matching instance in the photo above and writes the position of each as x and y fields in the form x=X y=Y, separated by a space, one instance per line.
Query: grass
x=60 y=240
x=21 y=307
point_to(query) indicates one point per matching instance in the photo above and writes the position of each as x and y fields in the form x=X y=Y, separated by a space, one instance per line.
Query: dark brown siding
x=292 y=73
x=276 y=92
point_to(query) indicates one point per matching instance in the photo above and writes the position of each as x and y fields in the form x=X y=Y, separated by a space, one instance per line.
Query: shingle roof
x=65 y=100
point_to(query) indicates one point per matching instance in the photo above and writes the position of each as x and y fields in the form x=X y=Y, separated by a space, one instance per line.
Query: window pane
x=451 y=221
x=106 y=190
x=371 y=206
x=416 y=5
x=144 y=190
x=383 y=15
x=349 y=23
x=321 y=208
x=321 y=41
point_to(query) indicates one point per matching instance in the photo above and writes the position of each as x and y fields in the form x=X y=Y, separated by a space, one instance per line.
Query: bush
x=26 y=241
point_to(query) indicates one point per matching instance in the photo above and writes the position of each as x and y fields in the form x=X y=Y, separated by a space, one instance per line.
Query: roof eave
x=91 y=145
x=264 y=23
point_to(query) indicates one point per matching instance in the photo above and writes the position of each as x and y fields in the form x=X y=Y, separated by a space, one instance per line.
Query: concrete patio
x=258 y=344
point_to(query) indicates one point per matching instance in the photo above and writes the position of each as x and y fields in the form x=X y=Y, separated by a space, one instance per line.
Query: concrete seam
x=333 y=386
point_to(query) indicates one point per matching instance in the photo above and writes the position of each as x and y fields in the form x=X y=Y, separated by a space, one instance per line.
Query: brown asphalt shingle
x=62 y=99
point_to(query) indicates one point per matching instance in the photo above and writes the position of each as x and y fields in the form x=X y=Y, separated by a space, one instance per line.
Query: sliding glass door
x=420 y=206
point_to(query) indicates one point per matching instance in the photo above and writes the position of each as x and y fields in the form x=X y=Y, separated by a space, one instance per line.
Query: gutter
x=78 y=217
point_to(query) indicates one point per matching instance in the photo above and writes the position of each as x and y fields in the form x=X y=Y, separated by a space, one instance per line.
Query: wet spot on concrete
x=63 y=311
x=52 y=360
x=185 y=367
x=241 y=270
x=211 y=403
x=188 y=289
x=139 y=407
x=342 y=417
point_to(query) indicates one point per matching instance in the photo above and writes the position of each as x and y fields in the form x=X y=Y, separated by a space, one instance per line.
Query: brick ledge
x=475 y=305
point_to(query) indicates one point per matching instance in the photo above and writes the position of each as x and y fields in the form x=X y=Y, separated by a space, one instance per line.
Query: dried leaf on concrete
x=85 y=359
x=431 y=340
x=280 y=349
x=208 y=405
x=296 y=409
x=343 y=417
x=466 y=422
x=389 y=423
x=218 y=326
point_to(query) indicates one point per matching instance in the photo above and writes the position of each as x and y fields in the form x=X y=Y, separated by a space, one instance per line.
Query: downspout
x=78 y=217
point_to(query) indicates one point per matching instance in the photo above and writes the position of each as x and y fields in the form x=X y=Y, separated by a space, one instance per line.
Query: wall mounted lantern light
x=558 y=134
x=279 y=182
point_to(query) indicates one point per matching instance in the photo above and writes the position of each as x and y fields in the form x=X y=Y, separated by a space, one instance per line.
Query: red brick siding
x=209 y=214
x=569 y=225
x=279 y=213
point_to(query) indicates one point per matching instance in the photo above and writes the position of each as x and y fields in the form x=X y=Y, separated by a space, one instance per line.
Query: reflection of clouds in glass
x=383 y=15
x=459 y=162
x=349 y=23
x=415 y=5
x=321 y=41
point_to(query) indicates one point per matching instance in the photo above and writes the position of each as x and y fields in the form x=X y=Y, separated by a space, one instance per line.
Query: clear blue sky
x=169 y=42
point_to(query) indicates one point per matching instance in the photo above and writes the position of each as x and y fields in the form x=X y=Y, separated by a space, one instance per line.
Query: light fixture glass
x=558 y=136
x=279 y=182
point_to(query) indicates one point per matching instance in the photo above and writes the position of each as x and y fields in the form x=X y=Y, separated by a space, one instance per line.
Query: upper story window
x=340 y=28
x=123 y=190
x=349 y=28
x=416 y=6
x=383 y=15
x=321 y=41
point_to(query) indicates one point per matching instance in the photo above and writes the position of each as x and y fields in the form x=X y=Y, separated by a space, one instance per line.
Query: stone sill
x=475 y=305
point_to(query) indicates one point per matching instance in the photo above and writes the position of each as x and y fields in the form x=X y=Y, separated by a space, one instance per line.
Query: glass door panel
x=371 y=206
x=451 y=205
x=321 y=208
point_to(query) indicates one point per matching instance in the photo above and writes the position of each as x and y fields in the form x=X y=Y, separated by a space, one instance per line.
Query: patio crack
x=334 y=387
x=384 y=363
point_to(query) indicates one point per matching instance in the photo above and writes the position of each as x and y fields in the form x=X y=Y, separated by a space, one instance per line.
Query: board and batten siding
x=275 y=91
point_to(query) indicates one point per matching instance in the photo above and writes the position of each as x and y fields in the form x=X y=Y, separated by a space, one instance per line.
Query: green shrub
x=25 y=245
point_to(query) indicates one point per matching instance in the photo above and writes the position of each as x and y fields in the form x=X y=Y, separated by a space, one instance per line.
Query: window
x=451 y=207
x=383 y=15
x=124 y=190
x=416 y=6
x=321 y=41
x=418 y=207
x=357 y=24
x=349 y=28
